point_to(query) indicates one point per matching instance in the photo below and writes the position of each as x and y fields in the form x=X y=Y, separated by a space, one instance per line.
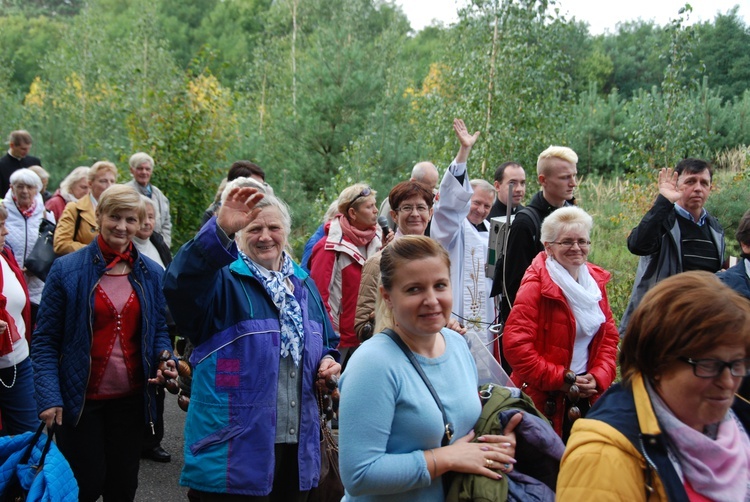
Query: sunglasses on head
x=364 y=193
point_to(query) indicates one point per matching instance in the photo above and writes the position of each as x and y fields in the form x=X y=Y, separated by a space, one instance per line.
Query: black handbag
x=42 y=254
x=330 y=488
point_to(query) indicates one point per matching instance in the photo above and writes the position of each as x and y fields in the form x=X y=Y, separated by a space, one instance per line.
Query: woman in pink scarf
x=336 y=262
x=667 y=431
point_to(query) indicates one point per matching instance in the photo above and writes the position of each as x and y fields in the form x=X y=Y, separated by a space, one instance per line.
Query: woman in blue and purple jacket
x=262 y=338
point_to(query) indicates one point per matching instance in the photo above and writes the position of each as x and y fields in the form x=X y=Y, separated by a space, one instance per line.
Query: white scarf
x=583 y=296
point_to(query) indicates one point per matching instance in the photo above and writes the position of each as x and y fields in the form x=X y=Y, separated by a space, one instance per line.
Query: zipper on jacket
x=649 y=470
x=144 y=309
x=91 y=345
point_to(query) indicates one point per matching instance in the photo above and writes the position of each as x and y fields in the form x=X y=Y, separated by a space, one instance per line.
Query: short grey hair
x=483 y=185
x=565 y=218
x=139 y=158
x=150 y=202
x=27 y=177
x=241 y=182
x=76 y=175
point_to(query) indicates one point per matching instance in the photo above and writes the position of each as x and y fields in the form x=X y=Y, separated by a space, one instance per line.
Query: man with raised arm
x=460 y=224
x=677 y=234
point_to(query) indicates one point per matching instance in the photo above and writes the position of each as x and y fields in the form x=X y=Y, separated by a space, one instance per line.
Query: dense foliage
x=322 y=93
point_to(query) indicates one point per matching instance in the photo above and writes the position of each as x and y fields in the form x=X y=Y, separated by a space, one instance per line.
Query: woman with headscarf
x=667 y=432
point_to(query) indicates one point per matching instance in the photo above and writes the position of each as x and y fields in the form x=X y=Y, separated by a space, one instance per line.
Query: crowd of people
x=389 y=299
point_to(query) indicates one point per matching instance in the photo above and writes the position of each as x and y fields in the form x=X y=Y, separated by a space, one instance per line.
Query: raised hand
x=462 y=133
x=668 y=184
x=238 y=210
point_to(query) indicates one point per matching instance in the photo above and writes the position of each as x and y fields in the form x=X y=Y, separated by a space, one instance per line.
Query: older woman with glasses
x=666 y=432
x=412 y=209
x=560 y=337
x=336 y=262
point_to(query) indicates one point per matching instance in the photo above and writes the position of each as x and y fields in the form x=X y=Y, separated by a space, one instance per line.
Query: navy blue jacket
x=61 y=344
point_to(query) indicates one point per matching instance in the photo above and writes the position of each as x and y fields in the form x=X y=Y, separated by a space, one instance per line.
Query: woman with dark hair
x=411 y=209
x=352 y=237
x=738 y=276
x=666 y=432
x=560 y=338
x=395 y=442
x=262 y=338
x=97 y=347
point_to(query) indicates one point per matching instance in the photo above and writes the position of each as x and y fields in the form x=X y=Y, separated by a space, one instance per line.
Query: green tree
x=723 y=47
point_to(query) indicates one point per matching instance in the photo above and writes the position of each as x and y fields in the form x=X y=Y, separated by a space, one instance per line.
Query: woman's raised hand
x=238 y=210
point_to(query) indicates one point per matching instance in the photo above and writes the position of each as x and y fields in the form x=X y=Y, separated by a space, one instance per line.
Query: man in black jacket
x=506 y=175
x=16 y=158
x=556 y=172
x=676 y=234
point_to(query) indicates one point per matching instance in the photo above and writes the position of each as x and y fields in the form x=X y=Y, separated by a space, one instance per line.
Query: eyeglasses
x=711 y=368
x=568 y=244
x=364 y=193
x=421 y=209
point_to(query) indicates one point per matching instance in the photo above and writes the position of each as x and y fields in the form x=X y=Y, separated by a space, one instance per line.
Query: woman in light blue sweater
x=390 y=426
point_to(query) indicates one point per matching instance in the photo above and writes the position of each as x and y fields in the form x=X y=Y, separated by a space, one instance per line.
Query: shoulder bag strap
x=78 y=223
x=448 y=434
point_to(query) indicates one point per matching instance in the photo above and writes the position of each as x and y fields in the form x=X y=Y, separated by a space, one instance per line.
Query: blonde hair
x=403 y=250
x=351 y=197
x=565 y=218
x=121 y=198
x=555 y=152
x=102 y=165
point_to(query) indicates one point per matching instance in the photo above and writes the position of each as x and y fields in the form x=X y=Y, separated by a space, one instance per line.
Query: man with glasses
x=460 y=224
x=556 y=171
x=677 y=234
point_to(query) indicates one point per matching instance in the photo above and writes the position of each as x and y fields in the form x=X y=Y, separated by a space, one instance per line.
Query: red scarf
x=11 y=335
x=113 y=257
x=356 y=236
x=26 y=213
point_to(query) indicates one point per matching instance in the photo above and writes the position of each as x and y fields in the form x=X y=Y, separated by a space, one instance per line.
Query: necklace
x=15 y=367
x=122 y=270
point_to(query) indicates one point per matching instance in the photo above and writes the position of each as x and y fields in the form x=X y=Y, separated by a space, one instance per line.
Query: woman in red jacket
x=352 y=236
x=560 y=338
x=17 y=405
